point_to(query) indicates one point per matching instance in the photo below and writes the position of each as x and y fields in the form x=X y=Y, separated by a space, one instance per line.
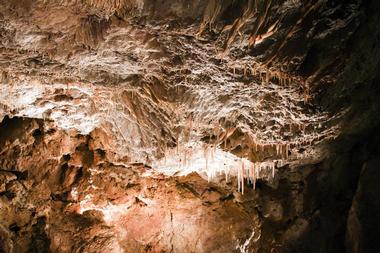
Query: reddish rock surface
x=135 y=126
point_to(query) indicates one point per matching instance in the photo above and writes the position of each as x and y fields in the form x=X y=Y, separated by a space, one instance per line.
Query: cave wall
x=339 y=195
x=326 y=205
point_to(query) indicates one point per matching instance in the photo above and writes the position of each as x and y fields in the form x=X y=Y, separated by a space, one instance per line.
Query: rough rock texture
x=130 y=125
x=71 y=198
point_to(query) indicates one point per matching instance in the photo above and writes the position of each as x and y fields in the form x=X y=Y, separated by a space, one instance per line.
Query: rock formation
x=189 y=126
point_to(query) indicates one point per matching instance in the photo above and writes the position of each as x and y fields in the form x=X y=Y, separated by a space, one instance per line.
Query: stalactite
x=177 y=148
x=266 y=74
x=238 y=179
x=242 y=181
x=205 y=152
x=286 y=151
x=254 y=175
x=253 y=71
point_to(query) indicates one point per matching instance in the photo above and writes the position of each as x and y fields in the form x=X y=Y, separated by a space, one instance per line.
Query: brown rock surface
x=136 y=125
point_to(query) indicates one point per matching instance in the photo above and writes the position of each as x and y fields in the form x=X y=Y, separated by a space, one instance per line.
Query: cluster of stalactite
x=260 y=162
x=245 y=170
x=260 y=17
x=254 y=171
x=266 y=74
x=91 y=30
x=257 y=12
x=258 y=20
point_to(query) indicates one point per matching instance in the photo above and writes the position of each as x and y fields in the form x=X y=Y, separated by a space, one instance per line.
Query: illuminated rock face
x=188 y=126
x=73 y=198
